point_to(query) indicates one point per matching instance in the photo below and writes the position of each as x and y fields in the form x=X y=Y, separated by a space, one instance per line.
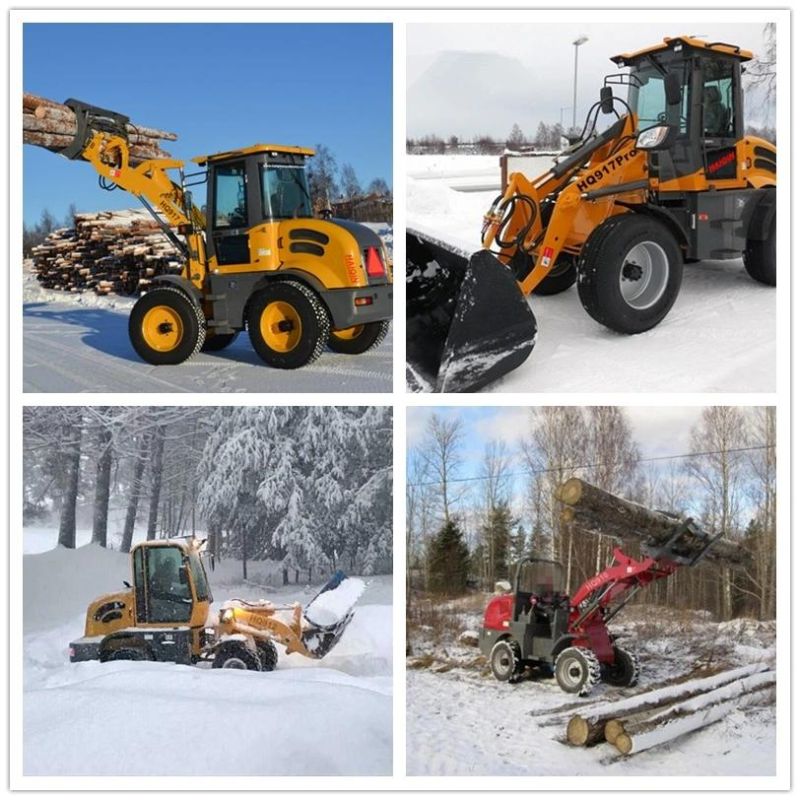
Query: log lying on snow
x=644 y=720
x=596 y=510
x=696 y=713
x=588 y=727
x=53 y=126
x=108 y=251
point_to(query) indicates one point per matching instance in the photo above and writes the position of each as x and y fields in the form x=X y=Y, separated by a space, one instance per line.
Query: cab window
x=230 y=196
x=285 y=192
x=719 y=113
x=650 y=99
x=168 y=591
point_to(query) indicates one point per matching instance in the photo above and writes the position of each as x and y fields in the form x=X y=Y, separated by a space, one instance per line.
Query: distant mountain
x=468 y=94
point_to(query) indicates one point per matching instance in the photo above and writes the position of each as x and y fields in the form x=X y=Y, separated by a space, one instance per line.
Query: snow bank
x=163 y=719
x=333 y=605
x=58 y=585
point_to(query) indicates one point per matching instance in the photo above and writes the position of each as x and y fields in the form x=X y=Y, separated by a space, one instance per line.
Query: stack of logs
x=53 y=126
x=652 y=718
x=108 y=251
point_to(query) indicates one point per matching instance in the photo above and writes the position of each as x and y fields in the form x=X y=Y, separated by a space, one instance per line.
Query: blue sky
x=218 y=87
x=658 y=430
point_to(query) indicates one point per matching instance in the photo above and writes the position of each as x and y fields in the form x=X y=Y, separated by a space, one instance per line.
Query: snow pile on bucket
x=332 y=606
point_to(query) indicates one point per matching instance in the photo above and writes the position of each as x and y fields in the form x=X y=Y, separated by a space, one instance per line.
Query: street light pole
x=578 y=42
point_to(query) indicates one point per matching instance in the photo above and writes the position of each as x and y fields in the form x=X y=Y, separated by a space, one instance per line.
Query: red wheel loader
x=672 y=180
x=537 y=624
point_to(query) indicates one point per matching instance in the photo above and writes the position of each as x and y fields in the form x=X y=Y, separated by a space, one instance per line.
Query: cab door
x=229 y=217
x=162 y=586
x=720 y=116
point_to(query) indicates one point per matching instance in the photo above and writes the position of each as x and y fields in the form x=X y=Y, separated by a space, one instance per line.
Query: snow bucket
x=467 y=322
x=330 y=612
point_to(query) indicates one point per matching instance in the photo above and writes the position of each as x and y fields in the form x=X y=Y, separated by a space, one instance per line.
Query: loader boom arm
x=109 y=153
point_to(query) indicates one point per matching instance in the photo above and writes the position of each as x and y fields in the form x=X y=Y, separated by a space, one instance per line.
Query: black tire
x=759 y=258
x=560 y=278
x=268 y=654
x=624 y=671
x=360 y=338
x=609 y=279
x=310 y=321
x=236 y=655
x=577 y=670
x=504 y=660
x=182 y=326
x=218 y=341
x=128 y=654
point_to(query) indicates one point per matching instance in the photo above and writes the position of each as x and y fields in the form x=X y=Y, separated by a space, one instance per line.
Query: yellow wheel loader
x=257 y=259
x=672 y=180
x=163 y=615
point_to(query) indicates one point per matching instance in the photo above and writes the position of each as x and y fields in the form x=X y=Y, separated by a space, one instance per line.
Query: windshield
x=540 y=578
x=199 y=577
x=285 y=192
x=650 y=99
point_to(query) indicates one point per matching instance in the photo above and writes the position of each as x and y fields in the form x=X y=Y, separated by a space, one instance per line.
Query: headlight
x=653 y=137
x=226 y=615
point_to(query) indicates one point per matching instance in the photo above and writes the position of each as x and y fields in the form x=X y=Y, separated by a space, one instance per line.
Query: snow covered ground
x=327 y=717
x=461 y=721
x=718 y=337
x=79 y=343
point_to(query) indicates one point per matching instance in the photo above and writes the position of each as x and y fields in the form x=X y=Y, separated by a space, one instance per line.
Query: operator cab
x=540 y=579
x=249 y=187
x=169 y=583
x=689 y=90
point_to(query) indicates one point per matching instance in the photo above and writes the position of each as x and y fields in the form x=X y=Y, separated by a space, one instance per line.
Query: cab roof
x=256 y=148
x=670 y=42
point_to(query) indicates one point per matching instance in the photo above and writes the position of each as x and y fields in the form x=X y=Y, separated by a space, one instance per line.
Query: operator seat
x=715 y=115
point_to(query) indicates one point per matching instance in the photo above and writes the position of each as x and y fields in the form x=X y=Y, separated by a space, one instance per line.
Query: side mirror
x=659 y=137
x=672 y=89
x=606 y=99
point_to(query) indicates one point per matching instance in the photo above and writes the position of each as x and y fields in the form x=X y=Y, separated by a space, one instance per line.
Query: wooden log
x=644 y=722
x=691 y=717
x=588 y=727
x=45 y=109
x=596 y=510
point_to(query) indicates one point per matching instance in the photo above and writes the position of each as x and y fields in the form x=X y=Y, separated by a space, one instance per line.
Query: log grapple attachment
x=467 y=322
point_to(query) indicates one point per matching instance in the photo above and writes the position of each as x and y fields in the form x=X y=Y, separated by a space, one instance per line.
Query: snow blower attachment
x=467 y=323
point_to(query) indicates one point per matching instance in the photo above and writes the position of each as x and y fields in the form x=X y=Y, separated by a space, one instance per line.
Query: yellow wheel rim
x=162 y=328
x=281 y=327
x=349 y=333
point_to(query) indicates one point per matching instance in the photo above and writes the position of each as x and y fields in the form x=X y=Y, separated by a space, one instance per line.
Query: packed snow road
x=718 y=337
x=73 y=348
x=327 y=717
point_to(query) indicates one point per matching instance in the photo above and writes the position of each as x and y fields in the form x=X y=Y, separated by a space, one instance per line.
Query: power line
x=530 y=472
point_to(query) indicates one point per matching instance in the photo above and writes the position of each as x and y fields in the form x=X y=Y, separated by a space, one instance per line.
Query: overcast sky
x=545 y=51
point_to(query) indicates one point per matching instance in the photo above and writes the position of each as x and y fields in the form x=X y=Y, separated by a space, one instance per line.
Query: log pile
x=53 y=126
x=107 y=251
x=597 y=511
x=651 y=718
